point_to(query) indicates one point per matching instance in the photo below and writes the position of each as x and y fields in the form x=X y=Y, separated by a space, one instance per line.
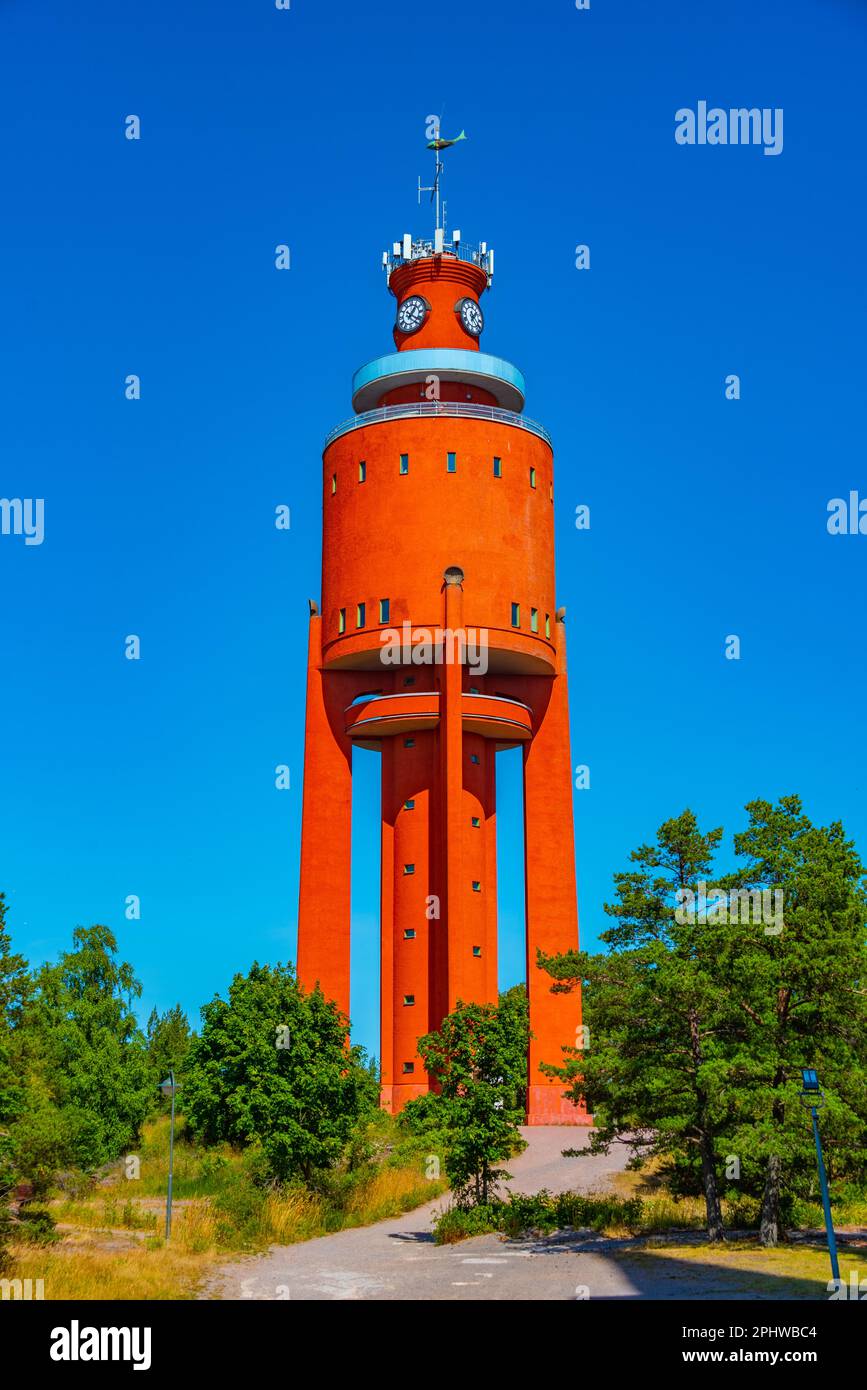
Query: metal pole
x=171 y=1161
x=826 y=1201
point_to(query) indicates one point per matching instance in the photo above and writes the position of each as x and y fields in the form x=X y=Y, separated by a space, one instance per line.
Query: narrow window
x=532 y=477
x=477 y=821
x=516 y=615
x=477 y=887
x=498 y=468
x=477 y=950
x=534 y=620
x=452 y=463
x=474 y=758
x=408 y=1000
x=408 y=1066
x=384 y=609
x=547 y=624
x=362 y=471
x=404 y=463
x=333 y=483
x=409 y=934
x=409 y=805
x=409 y=743
x=550 y=492
x=341 y=620
x=409 y=869
x=360 y=615
x=409 y=680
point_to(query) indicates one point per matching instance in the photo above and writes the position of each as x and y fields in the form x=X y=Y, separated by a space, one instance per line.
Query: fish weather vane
x=438 y=144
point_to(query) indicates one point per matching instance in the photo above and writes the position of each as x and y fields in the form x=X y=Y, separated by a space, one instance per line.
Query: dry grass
x=801 y=1264
x=91 y=1269
x=390 y=1193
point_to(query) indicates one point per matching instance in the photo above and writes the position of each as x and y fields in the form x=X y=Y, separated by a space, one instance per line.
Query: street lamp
x=168 y=1088
x=813 y=1100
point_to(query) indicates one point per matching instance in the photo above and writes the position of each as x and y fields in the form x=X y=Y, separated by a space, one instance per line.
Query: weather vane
x=438 y=144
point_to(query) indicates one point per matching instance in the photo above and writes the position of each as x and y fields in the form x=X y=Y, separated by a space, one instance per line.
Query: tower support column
x=326 y=832
x=550 y=888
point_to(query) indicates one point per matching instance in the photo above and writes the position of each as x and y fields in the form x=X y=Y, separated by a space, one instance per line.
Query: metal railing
x=428 y=409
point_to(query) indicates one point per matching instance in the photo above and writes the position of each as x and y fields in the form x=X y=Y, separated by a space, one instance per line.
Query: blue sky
x=156 y=257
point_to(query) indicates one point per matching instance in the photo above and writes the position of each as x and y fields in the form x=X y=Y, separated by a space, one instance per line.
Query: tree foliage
x=272 y=1067
x=478 y=1061
x=699 y=1024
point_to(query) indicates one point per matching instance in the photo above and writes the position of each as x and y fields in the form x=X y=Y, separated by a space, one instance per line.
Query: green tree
x=660 y=1021
x=478 y=1060
x=16 y=990
x=169 y=1040
x=799 y=980
x=91 y=1059
x=272 y=1067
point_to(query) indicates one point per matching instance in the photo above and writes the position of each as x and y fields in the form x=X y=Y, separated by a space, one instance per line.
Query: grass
x=110 y=1242
x=788 y=1271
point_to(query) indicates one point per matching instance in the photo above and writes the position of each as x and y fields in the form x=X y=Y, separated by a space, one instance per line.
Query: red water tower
x=438 y=643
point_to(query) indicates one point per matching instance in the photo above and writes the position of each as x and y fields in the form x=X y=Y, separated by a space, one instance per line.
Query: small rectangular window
x=476 y=821
x=408 y=1066
x=409 y=680
x=409 y=743
x=333 y=483
x=362 y=471
x=409 y=934
x=361 y=615
x=410 y=804
x=547 y=624
x=408 y=1000
x=474 y=758
x=474 y=690
x=516 y=615
x=341 y=620
x=550 y=492
x=384 y=609
x=534 y=620
x=409 y=869
x=477 y=887
x=452 y=463
x=532 y=477
x=498 y=468
x=477 y=950
x=404 y=463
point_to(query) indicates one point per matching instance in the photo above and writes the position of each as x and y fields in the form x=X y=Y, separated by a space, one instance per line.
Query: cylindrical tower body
x=438 y=646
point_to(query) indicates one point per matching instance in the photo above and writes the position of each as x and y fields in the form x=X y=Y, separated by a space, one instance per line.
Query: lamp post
x=813 y=1100
x=168 y=1088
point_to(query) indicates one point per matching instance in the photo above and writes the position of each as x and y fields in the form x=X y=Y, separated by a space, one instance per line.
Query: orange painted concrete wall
x=442 y=282
x=392 y=536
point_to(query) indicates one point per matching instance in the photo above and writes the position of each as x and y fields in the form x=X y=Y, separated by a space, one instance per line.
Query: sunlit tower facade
x=438 y=643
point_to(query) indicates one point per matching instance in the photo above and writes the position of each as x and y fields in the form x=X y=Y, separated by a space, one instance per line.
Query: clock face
x=471 y=316
x=412 y=313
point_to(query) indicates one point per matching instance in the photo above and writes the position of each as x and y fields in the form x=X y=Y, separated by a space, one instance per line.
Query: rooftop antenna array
x=409 y=249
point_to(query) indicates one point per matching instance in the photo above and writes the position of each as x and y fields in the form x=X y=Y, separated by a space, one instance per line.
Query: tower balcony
x=412 y=367
x=368 y=721
x=438 y=409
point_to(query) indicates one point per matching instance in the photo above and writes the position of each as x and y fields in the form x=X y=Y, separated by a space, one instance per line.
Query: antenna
x=438 y=145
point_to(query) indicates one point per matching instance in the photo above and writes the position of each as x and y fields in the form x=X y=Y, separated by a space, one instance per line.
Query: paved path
x=397 y=1259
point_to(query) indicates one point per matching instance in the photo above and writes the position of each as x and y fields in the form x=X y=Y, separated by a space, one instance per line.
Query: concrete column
x=326 y=833
x=551 y=900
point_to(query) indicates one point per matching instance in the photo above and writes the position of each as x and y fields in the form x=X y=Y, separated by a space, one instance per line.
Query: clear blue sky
x=156 y=257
